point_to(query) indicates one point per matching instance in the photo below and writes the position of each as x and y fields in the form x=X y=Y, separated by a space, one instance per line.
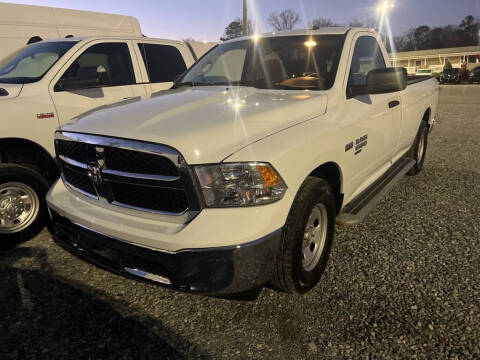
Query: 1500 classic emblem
x=360 y=143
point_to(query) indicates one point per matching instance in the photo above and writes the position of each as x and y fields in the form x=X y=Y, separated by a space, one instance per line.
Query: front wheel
x=22 y=203
x=419 y=149
x=307 y=238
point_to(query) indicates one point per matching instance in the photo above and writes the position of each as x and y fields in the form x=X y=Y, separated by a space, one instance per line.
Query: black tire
x=29 y=179
x=290 y=274
x=414 y=151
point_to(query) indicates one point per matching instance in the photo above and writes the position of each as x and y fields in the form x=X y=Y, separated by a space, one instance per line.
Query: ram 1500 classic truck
x=236 y=176
x=47 y=83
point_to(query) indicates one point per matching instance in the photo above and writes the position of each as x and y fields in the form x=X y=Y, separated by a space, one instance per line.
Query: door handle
x=393 y=103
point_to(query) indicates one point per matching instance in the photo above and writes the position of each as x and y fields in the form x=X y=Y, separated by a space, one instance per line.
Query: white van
x=20 y=24
x=49 y=83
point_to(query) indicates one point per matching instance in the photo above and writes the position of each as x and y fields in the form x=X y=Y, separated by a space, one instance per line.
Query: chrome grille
x=134 y=175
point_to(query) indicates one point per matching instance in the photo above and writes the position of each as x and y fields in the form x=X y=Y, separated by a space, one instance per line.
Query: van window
x=114 y=57
x=31 y=63
x=163 y=62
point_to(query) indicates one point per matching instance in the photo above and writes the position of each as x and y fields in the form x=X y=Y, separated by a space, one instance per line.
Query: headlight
x=239 y=184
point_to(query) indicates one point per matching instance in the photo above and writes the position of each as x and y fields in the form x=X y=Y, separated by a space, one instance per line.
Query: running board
x=357 y=209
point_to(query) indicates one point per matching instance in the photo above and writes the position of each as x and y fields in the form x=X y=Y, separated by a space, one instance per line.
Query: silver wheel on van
x=19 y=207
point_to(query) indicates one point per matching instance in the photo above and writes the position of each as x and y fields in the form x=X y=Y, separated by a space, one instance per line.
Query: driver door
x=116 y=57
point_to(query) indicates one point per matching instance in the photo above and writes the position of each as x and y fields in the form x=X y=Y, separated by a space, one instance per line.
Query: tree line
x=424 y=37
x=421 y=38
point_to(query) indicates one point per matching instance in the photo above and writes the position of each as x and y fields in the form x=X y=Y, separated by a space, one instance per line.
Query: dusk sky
x=206 y=20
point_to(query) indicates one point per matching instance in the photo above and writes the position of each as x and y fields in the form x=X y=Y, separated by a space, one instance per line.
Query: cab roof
x=321 y=31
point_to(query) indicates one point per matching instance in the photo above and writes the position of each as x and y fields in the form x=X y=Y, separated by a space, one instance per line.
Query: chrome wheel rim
x=19 y=207
x=314 y=237
x=421 y=146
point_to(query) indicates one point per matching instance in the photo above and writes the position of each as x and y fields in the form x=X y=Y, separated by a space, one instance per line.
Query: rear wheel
x=22 y=203
x=419 y=149
x=307 y=238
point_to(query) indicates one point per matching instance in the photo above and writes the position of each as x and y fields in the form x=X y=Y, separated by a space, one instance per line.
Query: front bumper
x=214 y=271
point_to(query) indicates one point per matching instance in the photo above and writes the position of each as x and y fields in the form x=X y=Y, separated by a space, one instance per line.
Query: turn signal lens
x=269 y=176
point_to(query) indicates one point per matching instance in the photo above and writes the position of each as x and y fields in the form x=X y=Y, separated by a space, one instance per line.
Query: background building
x=435 y=59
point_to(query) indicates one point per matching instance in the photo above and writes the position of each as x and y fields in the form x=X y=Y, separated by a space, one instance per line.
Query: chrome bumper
x=213 y=271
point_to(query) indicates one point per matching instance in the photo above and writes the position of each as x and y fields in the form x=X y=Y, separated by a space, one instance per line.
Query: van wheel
x=22 y=203
x=307 y=238
x=419 y=149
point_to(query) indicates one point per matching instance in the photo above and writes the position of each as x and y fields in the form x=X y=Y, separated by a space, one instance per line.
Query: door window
x=163 y=62
x=114 y=57
x=367 y=56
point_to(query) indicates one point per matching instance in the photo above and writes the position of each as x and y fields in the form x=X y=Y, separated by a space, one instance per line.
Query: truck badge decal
x=45 y=115
x=360 y=143
x=349 y=146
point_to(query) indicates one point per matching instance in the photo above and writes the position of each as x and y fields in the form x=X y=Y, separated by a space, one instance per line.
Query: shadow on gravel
x=45 y=317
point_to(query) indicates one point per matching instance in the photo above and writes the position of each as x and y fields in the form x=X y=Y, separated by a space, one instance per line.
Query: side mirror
x=382 y=81
x=87 y=77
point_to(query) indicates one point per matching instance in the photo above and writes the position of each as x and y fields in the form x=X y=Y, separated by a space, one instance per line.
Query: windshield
x=283 y=62
x=29 y=64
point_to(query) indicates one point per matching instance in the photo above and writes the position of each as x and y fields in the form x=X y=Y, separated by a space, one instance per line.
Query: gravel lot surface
x=403 y=284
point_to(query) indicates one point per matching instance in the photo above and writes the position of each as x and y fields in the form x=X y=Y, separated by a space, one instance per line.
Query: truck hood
x=13 y=90
x=206 y=124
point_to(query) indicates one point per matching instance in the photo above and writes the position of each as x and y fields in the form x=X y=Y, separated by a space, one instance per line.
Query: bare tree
x=285 y=20
x=318 y=23
x=355 y=23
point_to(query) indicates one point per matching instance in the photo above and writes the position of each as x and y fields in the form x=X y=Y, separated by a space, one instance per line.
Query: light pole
x=383 y=9
x=245 y=20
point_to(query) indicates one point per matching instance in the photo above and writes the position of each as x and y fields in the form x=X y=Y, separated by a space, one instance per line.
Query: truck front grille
x=135 y=175
x=79 y=180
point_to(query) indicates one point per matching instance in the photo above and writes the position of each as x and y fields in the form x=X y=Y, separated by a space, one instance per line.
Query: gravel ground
x=404 y=284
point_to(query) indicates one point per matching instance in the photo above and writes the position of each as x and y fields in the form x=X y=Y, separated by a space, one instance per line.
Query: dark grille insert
x=73 y=150
x=80 y=181
x=138 y=162
x=150 y=197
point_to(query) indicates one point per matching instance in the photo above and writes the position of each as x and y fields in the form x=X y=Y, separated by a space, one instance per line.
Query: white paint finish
x=18 y=23
x=24 y=102
x=231 y=118
x=70 y=104
x=295 y=131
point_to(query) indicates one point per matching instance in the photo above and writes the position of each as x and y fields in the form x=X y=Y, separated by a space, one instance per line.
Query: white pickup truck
x=46 y=84
x=236 y=177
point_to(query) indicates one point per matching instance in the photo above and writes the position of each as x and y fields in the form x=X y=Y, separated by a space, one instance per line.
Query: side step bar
x=357 y=209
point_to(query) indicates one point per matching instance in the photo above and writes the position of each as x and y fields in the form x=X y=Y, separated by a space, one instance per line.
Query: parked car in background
x=423 y=72
x=22 y=24
x=474 y=76
x=46 y=84
x=237 y=175
x=450 y=76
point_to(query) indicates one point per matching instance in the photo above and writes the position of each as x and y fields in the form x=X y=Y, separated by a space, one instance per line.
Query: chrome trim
x=156 y=149
x=149 y=276
x=73 y=162
x=141 y=176
x=116 y=203
x=194 y=202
